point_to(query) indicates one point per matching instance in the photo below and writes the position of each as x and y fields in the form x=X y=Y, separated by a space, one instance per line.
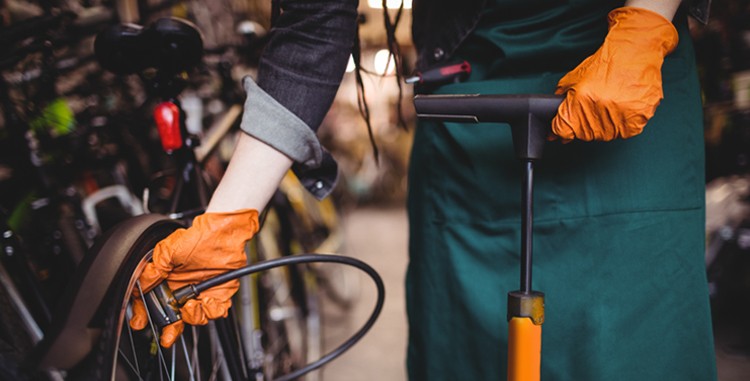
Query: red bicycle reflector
x=167 y=117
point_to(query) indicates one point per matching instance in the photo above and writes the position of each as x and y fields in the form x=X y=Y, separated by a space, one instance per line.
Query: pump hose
x=191 y=291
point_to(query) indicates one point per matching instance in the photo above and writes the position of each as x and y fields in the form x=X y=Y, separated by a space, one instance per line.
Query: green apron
x=619 y=226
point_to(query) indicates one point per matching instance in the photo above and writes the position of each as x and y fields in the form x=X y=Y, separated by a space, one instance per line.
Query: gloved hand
x=615 y=91
x=213 y=245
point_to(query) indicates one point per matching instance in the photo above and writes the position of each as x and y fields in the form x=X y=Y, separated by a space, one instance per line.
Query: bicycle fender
x=72 y=335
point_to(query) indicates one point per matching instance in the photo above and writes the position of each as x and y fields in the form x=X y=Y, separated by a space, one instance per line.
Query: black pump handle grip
x=482 y=108
x=529 y=115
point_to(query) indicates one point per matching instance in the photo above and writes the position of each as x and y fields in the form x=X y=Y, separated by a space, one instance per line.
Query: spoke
x=218 y=360
x=197 y=368
x=130 y=364
x=132 y=347
x=187 y=358
x=174 y=357
x=217 y=354
x=214 y=371
x=153 y=330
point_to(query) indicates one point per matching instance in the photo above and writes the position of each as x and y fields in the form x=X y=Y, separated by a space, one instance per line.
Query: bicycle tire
x=101 y=364
x=109 y=360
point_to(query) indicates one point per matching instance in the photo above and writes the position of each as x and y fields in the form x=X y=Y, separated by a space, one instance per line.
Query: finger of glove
x=585 y=116
x=149 y=278
x=213 y=303
x=200 y=311
x=575 y=76
x=553 y=138
x=170 y=333
x=161 y=263
x=566 y=83
x=562 y=123
x=140 y=318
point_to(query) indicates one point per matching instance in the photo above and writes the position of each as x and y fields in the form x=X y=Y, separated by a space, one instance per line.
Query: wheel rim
x=194 y=356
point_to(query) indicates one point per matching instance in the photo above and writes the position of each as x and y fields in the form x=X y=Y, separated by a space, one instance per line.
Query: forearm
x=666 y=8
x=299 y=74
x=254 y=172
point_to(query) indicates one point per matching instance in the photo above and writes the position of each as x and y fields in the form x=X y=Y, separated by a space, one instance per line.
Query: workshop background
x=369 y=199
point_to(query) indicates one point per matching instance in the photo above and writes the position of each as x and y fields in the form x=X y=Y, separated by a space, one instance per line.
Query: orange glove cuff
x=646 y=28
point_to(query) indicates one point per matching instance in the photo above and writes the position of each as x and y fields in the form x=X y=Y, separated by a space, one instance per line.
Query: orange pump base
x=524 y=349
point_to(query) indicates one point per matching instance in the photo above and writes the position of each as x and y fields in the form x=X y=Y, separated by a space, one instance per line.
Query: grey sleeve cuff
x=270 y=122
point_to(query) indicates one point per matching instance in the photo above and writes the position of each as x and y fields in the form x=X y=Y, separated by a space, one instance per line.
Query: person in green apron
x=619 y=223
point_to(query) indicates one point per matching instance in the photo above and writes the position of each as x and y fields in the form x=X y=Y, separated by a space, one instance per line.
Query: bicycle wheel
x=125 y=354
x=289 y=306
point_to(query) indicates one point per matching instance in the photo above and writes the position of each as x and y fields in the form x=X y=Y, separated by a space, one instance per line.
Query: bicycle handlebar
x=529 y=115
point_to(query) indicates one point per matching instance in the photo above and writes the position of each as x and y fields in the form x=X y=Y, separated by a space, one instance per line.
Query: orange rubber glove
x=615 y=91
x=213 y=245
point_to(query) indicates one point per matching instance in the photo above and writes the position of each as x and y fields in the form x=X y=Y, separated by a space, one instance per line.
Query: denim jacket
x=304 y=61
x=299 y=74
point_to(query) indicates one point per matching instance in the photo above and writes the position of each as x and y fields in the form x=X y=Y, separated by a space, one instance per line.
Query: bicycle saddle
x=169 y=45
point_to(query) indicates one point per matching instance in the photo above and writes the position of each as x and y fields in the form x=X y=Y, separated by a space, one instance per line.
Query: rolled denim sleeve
x=304 y=60
x=270 y=122
x=299 y=74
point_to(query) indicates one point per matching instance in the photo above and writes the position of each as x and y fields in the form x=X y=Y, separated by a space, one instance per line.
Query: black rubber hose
x=192 y=291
